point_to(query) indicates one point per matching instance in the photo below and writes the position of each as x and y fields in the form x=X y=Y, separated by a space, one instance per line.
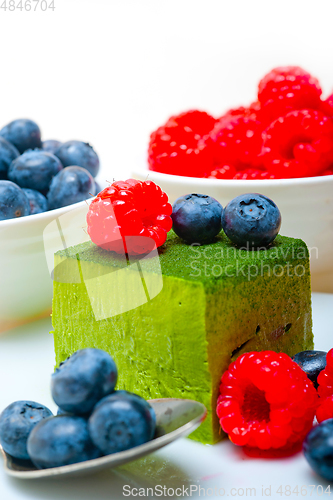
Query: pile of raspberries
x=286 y=133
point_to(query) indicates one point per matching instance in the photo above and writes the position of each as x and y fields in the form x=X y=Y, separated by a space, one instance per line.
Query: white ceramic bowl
x=26 y=265
x=306 y=206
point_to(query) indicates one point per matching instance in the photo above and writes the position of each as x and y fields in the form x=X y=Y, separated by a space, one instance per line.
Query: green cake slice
x=174 y=322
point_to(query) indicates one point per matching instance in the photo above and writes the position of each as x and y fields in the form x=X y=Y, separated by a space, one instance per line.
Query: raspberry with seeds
x=299 y=144
x=325 y=390
x=266 y=401
x=235 y=112
x=327 y=106
x=325 y=377
x=199 y=122
x=253 y=174
x=288 y=88
x=254 y=111
x=237 y=140
x=325 y=409
x=223 y=172
x=130 y=216
x=179 y=147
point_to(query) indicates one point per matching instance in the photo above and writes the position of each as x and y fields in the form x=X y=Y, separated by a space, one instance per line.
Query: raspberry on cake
x=130 y=216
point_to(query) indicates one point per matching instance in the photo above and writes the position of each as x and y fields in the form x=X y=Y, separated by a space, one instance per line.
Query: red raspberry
x=179 y=148
x=266 y=401
x=241 y=111
x=130 y=216
x=327 y=106
x=325 y=377
x=254 y=111
x=237 y=140
x=199 y=122
x=325 y=409
x=328 y=172
x=253 y=174
x=288 y=88
x=224 y=172
x=300 y=144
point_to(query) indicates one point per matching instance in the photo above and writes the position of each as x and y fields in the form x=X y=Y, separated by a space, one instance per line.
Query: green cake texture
x=174 y=322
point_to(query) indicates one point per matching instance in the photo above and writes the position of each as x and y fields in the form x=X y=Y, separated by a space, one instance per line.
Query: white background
x=109 y=72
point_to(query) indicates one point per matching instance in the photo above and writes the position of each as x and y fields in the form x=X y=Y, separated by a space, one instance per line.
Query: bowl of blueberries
x=39 y=182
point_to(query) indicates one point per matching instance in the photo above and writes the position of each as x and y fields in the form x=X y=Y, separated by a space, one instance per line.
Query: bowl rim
x=181 y=179
x=46 y=216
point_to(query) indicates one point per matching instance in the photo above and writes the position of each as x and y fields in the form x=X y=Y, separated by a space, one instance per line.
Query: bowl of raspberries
x=280 y=145
x=39 y=181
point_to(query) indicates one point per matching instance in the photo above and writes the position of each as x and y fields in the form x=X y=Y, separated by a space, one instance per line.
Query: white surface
x=26 y=361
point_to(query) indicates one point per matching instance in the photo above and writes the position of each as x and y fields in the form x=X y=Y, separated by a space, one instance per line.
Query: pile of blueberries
x=93 y=419
x=37 y=176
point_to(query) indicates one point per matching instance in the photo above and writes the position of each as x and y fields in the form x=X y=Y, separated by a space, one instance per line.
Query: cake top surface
x=205 y=263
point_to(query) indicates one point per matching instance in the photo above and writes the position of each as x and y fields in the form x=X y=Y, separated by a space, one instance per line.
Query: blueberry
x=16 y=423
x=8 y=153
x=13 y=201
x=61 y=412
x=61 y=440
x=71 y=185
x=83 y=379
x=51 y=146
x=120 y=423
x=38 y=202
x=318 y=449
x=312 y=362
x=251 y=220
x=23 y=133
x=79 y=153
x=134 y=397
x=34 y=170
x=197 y=218
x=113 y=395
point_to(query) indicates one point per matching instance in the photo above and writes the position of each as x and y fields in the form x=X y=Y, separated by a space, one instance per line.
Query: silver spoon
x=175 y=418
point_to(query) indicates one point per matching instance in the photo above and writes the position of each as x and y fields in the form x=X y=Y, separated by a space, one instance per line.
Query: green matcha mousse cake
x=174 y=322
